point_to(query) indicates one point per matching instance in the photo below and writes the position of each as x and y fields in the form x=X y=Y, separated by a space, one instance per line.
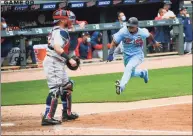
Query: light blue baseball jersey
x=132 y=43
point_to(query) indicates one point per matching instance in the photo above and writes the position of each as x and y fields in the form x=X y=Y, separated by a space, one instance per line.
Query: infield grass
x=100 y=88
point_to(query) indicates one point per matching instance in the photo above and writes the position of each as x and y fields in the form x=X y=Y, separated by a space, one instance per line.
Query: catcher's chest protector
x=61 y=35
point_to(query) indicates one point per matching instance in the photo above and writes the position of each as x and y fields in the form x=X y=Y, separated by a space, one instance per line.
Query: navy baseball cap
x=167 y=2
x=133 y=22
x=2 y=19
x=182 y=8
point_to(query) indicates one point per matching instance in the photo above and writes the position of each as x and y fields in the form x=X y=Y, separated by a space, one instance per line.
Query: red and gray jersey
x=60 y=37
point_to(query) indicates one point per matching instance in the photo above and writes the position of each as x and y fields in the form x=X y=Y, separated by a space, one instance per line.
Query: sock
x=47 y=110
x=64 y=102
x=64 y=105
x=48 y=103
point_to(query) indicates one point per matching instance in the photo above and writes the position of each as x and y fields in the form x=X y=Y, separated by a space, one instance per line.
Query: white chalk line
x=7 y=124
x=59 y=128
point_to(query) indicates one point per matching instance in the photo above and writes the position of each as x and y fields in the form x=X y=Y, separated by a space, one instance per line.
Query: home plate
x=7 y=124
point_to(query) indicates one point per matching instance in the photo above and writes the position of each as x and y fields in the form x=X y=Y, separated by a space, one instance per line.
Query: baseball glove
x=77 y=62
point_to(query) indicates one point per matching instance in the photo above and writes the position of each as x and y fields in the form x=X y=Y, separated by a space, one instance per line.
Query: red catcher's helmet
x=65 y=14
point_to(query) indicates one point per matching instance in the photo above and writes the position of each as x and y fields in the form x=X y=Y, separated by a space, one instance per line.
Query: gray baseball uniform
x=53 y=63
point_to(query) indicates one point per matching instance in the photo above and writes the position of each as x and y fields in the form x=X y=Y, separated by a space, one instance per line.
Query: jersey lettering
x=138 y=41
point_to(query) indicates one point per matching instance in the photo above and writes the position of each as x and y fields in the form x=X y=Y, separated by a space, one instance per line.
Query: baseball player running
x=57 y=79
x=132 y=39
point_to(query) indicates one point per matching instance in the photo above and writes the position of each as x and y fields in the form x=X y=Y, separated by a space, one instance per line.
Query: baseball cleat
x=118 y=88
x=66 y=117
x=52 y=121
x=146 y=76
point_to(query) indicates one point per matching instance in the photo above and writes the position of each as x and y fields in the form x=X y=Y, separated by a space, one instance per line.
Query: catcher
x=57 y=79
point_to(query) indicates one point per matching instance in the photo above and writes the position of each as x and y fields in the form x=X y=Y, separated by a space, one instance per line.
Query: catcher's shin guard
x=66 y=113
x=48 y=119
x=67 y=103
x=54 y=104
x=65 y=90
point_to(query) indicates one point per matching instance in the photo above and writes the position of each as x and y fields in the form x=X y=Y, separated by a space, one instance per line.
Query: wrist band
x=64 y=55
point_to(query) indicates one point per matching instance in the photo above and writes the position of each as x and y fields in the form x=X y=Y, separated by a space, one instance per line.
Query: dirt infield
x=159 y=116
x=167 y=116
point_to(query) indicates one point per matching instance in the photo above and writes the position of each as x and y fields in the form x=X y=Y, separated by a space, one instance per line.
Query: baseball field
x=163 y=106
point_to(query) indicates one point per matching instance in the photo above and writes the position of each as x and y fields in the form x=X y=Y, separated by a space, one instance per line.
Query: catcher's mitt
x=77 y=62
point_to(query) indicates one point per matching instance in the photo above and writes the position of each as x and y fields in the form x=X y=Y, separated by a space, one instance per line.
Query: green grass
x=100 y=88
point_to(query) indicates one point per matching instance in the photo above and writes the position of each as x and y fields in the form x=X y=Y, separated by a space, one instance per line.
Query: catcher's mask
x=64 y=14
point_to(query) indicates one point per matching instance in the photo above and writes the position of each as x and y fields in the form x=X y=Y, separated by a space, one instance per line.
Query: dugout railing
x=104 y=27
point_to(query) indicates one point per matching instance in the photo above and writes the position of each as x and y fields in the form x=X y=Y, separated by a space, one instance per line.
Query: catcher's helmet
x=133 y=22
x=64 y=14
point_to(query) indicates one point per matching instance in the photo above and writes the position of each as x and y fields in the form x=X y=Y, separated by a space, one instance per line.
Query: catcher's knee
x=69 y=85
x=53 y=94
x=65 y=90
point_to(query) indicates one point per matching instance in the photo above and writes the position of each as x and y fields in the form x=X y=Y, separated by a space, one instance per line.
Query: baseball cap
x=167 y=2
x=133 y=22
x=2 y=19
x=182 y=8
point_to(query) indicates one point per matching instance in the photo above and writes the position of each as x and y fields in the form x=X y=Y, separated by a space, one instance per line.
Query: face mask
x=88 y=39
x=30 y=42
x=123 y=18
x=4 y=25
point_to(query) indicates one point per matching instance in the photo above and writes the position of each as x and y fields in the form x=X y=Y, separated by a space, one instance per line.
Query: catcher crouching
x=58 y=82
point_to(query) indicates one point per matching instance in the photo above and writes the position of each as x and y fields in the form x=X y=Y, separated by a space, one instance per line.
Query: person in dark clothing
x=97 y=46
x=74 y=36
x=187 y=29
x=83 y=49
x=30 y=51
x=162 y=33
